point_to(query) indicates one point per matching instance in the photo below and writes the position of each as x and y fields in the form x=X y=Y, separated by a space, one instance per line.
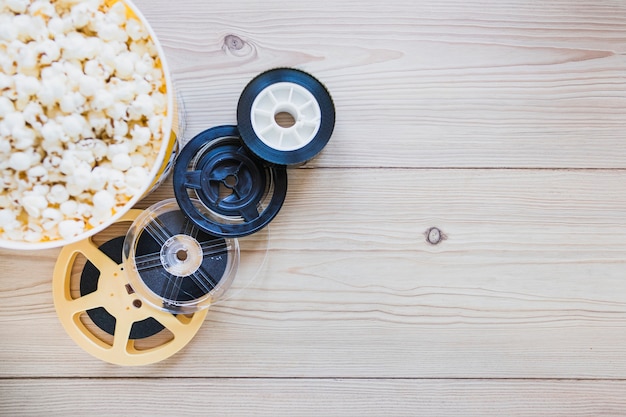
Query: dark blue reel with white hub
x=285 y=116
x=239 y=193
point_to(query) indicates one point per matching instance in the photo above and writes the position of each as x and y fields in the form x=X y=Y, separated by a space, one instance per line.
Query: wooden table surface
x=501 y=123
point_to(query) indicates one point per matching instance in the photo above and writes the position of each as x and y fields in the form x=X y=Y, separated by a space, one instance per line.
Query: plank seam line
x=453 y=168
x=299 y=378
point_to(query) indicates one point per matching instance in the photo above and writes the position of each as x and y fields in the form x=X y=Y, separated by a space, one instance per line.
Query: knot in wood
x=233 y=42
x=434 y=236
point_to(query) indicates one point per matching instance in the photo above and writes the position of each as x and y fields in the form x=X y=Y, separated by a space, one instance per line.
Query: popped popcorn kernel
x=69 y=229
x=58 y=194
x=122 y=162
x=17 y=6
x=34 y=204
x=20 y=161
x=8 y=219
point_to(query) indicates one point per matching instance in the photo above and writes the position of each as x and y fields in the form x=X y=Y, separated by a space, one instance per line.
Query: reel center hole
x=285 y=119
x=227 y=185
x=230 y=181
x=182 y=255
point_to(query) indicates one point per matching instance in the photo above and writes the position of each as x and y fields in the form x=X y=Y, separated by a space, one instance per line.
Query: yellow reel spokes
x=116 y=299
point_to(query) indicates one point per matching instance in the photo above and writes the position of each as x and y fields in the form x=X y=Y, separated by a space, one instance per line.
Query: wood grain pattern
x=501 y=123
x=261 y=397
x=528 y=283
x=421 y=84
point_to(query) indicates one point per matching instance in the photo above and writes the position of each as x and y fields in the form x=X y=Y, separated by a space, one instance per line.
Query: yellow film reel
x=104 y=315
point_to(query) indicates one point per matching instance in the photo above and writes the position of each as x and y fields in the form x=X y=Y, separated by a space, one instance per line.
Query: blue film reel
x=304 y=101
x=240 y=194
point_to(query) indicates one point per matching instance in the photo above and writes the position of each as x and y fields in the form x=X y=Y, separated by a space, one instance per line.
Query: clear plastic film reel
x=134 y=307
x=175 y=266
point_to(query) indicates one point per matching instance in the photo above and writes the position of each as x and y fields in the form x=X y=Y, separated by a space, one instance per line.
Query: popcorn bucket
x=19 y=229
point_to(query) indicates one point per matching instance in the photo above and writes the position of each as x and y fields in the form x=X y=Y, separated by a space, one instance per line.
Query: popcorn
x=58 y=194
x=5 y=148
x=52 y=90
x=72 y=103
x=34 y=115
x=142 y=86
x=103 y=201
x=88 y=85
x=34 y=204
x=5 y=81
x=33 y=233
x=14 y=120
x=117 y=111
x=75 y=46
x=99 y=178
x=125 y=65
x=138 y=160
x=26 y=85
x=17 y=6
x=20 y=161
x=49 y=52
x=30 y=28
x=136 y=31
x=37 y=174
x=69 y=208
x=27 y=58
x=81 y=14
x=136 y=176
x=52 y=133
x=8 y=32
x=103 y=99
x=117 y=181
x=24 y=138
x=42 y=8
x=51 y=217
x=95 y=148
x=6 y=107
x=122 y=162
x=8 y=220
x=120 y=128
x=117 y=14
x=73 y=125
x=141 y=106
x=69 y=229
x=141 y=135
x=82 y=112
x=98 y=121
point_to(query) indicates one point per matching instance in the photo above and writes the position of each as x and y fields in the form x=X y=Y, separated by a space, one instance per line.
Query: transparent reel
x=175 y=266
x=99 y=307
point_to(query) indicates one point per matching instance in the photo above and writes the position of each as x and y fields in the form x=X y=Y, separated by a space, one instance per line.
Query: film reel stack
x=138 y=292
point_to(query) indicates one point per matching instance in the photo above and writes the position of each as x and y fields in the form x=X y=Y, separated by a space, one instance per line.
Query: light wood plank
x=528 y=283
x=482 y=83
x=262 y=397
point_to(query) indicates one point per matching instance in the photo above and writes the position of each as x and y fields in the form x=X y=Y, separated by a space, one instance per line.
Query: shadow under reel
x=141 y=293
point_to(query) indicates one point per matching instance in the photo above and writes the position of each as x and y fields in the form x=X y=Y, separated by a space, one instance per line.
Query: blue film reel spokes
x=239 y=193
